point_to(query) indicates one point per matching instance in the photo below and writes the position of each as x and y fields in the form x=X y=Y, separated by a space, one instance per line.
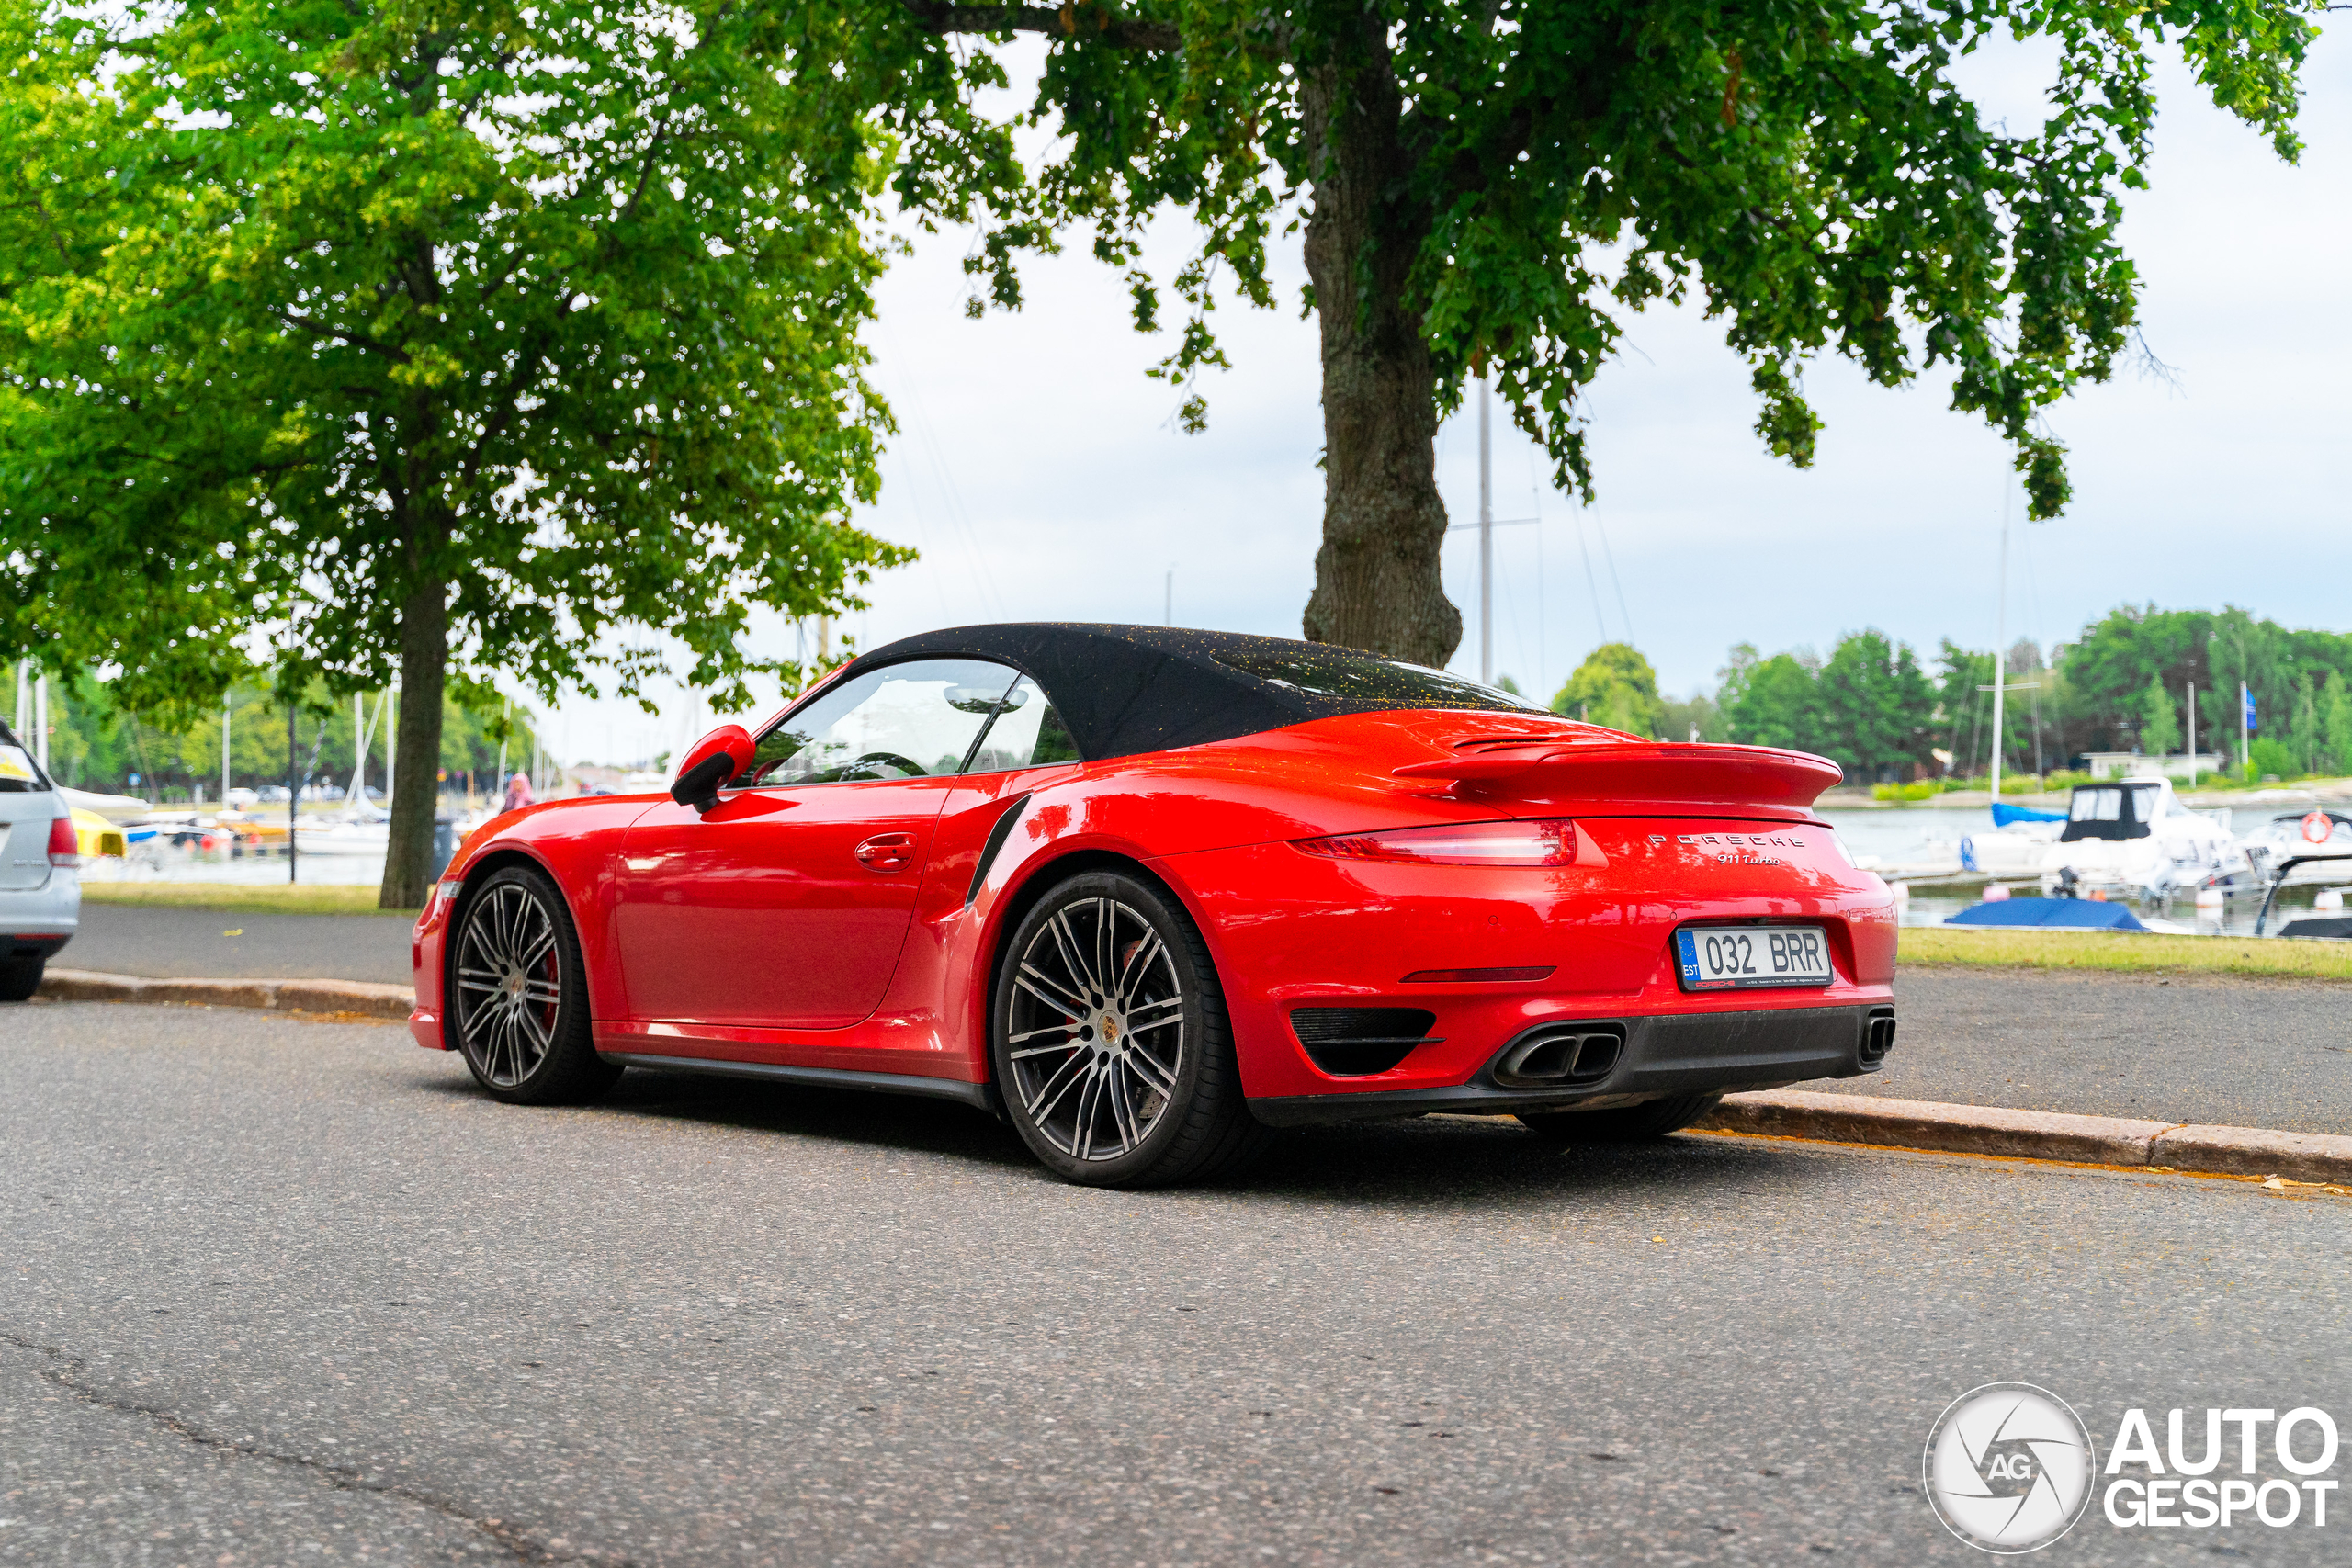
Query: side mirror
x=715 y=758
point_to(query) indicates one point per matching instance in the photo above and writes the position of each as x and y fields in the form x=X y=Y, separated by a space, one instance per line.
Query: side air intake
x=1561 y=1053
x=1354 y=1042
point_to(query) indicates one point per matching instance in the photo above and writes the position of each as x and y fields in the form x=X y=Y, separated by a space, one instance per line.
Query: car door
x=786 y=905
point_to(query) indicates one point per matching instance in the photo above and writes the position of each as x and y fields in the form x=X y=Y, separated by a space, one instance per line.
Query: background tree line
x=99 y=743
x=1882 y=711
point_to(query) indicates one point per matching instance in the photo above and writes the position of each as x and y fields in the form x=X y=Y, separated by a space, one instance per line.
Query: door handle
x=887 y=851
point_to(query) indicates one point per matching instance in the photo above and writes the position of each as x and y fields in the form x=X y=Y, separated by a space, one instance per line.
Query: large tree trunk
x=416 y=748
x=1376 y=579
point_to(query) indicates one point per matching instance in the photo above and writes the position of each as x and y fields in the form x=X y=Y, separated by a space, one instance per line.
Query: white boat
x=114 y=809
x=2135 y=837
x=345 y=837
x=2319 y=831
x=2015 y=846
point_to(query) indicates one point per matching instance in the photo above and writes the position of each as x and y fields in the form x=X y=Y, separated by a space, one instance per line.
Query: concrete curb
x=281 y=995
x=1783 y=1113
x=2034 y=1134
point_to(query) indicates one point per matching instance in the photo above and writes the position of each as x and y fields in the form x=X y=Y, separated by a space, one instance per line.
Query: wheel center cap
x=1108 y=1028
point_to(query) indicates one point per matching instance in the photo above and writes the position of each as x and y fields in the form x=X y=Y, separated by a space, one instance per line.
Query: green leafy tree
x=1697 y=716
x=1495 y=186
x=2271 y=757
x=1772 y=702
x=2159 y=726
x=1875 y=704
x=431 y=341
x=2336 y=723
x=1614 y=686
x=2306 y=735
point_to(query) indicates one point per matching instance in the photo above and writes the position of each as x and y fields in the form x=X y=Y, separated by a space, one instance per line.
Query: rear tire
x=1110 y=1044
x=20 y=978
x=518 y=996
x=1622 y=1125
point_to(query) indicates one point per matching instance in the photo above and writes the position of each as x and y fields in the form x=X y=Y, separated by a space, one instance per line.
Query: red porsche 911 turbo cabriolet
x=1144 y=892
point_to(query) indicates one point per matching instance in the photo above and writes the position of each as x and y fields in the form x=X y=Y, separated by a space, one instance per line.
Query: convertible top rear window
x=1121 y=691
x=1367 y=678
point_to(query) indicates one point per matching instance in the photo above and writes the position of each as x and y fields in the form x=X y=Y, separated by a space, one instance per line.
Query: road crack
x=65 y=1371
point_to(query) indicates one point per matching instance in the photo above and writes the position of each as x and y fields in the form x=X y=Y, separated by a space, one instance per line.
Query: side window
x=1027 y=734
x=902 y=721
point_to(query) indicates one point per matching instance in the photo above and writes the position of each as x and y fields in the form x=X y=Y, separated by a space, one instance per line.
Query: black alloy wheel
x=517 y=999
x=1621 y=1124
x=1110 y=1042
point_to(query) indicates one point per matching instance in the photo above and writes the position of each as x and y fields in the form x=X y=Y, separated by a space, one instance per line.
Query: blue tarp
x=2085 y=914
x=2004 y=814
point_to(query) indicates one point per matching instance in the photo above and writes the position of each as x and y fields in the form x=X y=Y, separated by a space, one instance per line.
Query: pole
x=2245 y=728
x=358 y=749
x=1485 y=543
x=227 y=710
x=365 y=744
x=293 y=793
x=2192 y=734
x=1168 y=603
x=2000 y=638
x=40 y=719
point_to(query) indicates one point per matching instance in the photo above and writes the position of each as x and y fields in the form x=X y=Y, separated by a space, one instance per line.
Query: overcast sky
x=1042 y=477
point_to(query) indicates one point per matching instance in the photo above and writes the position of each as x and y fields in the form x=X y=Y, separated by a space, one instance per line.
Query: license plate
x=1723 y=958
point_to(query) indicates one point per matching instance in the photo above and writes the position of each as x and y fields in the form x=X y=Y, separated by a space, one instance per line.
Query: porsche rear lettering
x=1734 y=849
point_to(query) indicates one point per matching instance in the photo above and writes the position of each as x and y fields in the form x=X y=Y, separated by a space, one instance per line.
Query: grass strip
x=2126 y=951
x=244 y=898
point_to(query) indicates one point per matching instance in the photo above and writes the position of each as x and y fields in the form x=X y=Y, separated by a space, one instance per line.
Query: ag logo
x=2008 y=1467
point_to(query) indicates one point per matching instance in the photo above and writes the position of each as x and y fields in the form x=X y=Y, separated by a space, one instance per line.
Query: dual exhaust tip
x=1561 y=1053
x=1878 y=1036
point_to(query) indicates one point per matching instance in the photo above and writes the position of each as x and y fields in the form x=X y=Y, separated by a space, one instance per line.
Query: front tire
x=518 y=997
x=1110 y=1042
x=1624 y=1124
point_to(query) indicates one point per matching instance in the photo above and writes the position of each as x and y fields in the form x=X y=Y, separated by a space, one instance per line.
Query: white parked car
x=2135 y=837
x=40 y=875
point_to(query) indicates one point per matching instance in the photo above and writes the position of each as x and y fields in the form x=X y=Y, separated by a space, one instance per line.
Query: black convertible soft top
x=1126 y=689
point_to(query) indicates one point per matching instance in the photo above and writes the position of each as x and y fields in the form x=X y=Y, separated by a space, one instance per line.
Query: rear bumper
x=1673 y=1054
x=35 y=922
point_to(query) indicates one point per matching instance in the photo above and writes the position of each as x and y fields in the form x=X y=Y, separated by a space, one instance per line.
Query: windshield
x=19 y=775
x=1364 y=677
x=2109 y=811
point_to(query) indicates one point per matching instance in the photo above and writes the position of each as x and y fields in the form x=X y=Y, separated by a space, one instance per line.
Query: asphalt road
x=2240 y=1053
x=2236 y=1053
x=166 y=944
x=276 y=1291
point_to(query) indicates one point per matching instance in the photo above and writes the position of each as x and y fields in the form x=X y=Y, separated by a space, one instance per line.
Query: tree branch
x=1074 y=21
x=337 y=335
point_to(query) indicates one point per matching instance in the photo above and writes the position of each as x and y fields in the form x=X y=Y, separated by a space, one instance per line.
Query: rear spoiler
x=1625 y=778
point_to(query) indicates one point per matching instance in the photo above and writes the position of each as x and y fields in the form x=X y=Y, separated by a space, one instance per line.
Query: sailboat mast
x=2000 y=642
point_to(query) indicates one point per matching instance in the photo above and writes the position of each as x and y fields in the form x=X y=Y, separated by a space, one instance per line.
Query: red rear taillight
x=1551 y=841
x=64 y=848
